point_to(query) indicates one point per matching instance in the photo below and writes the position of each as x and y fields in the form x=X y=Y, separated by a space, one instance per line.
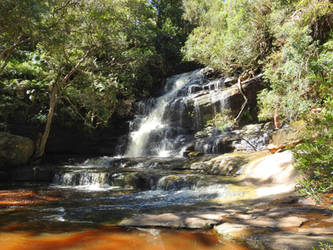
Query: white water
x=154 y=121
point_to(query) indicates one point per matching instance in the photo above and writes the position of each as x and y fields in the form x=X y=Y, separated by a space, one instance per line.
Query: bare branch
x=76 y=110
x=74 y=69
x=239 y=85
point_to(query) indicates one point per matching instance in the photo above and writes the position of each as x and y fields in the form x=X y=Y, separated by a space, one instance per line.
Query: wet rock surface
x=222 y=95
x=191 y=220
x=275 y=221
x=165 y=126
x=249 y=138
x=203 y=192
x=268 y=223
x=246 y=196
x=227 y=164
x=279 y=224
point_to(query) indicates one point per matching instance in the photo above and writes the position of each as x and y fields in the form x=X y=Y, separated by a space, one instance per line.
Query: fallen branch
x=252 y=146
x=239 y=85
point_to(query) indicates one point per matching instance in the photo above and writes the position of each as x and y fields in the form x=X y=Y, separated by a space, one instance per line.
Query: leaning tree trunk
x=40 y=150
x=53 y=102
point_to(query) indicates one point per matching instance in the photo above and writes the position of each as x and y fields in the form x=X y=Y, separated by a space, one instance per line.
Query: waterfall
x=81 y=179
x=161 y=132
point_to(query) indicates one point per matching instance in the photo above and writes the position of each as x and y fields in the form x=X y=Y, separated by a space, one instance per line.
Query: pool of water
x=49 y=217
x=114 y=238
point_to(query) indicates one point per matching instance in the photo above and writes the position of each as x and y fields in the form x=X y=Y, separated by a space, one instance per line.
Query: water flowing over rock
x=161 y=132
x=165 y=126
x=253 y=137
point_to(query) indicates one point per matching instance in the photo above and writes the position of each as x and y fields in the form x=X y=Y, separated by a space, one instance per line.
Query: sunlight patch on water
x=234 y=193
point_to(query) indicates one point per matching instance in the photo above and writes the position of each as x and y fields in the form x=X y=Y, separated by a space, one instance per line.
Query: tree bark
x=53 y=102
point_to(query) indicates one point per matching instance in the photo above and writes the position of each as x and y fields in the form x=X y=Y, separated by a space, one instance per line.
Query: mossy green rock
x=14 y=150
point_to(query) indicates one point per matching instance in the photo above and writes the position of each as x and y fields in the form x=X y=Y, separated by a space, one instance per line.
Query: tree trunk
x=53 y=102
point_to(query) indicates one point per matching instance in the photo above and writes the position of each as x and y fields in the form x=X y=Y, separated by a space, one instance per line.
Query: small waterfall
x=197 y=114
x=161 y=132
x=82 y=178
x=165 y=126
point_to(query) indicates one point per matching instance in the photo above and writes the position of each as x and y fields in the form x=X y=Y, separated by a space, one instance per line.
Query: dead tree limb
x=239 y=85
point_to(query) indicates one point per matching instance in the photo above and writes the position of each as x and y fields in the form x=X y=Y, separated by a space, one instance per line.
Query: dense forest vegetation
x=291 y=42
x=84 y=62
x=90 y=58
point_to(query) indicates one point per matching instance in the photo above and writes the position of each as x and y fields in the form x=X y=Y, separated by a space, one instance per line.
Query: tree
x=95 y=53
x=20 y=23
x=86 y=57
x=231 y=36
x=82 y=32
x=171 y=31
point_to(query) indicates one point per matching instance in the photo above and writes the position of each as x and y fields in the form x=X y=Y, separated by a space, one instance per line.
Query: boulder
x=139 y=180
x=229 y=164
x=15 y=150
x=229 y=99
x=177 y=182
x=253 y=137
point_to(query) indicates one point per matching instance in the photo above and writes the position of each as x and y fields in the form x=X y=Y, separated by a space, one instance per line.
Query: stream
x=147 y=196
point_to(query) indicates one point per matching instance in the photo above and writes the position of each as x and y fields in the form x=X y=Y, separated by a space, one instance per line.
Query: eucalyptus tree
x=85 y=53
x=291 y=42
x=20 y=23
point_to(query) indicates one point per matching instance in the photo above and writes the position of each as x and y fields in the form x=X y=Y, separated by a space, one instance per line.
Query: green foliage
x=91 y=99
x=300 y=66
x=291 y=41
x=299 y=73
x=131 y=45
x=221 y=121
x=315 y=155
x=23 y=92
x=231 y=35
x=325 y=245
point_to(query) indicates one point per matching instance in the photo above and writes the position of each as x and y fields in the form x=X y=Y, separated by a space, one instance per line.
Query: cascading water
x=162 y=131
x=163 y=127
